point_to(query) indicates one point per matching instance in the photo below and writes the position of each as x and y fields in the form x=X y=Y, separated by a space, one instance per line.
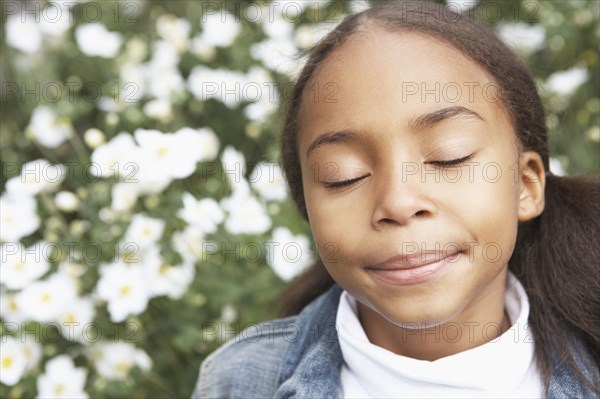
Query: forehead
x=380 y=77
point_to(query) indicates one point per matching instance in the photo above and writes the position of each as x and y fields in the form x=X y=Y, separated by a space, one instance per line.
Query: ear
x=532 y=181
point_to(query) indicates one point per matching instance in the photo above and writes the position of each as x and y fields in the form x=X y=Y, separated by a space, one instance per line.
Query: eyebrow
x=419 y=123
x=343 y=136
x=428 y=120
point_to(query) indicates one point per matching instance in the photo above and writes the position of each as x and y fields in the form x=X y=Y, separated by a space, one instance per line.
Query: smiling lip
x=412 y=269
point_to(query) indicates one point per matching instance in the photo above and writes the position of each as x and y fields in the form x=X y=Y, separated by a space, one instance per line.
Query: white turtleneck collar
x=503 y=367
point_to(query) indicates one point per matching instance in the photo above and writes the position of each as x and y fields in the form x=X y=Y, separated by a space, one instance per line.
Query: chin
x=418 y=317
x=422 y=322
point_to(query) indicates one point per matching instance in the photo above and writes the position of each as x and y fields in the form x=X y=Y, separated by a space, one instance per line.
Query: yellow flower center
x=6 y=362
x=70 y=318
x=59 y=389
x=164 y=268
x=125 y=290
x=123 y=367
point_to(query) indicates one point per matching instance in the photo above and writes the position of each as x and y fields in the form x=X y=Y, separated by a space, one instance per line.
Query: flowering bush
x=144 y=216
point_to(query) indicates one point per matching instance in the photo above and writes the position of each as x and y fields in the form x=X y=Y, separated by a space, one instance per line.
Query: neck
x=483 y=320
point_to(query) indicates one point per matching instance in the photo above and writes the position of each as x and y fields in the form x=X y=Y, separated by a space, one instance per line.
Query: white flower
x=175 y=30
x=357 y=6
x=66 y=201
x=276 y=26
x=137 y=49
x=36 y=176
x=124 y=196
x=133 y=82
x=20 y=266
x=291 y=9
x=170 y=280
x=260 y=90
x=228 y=314
x=48 y=129
x=162 y=83
x=260 y=111
x=57 y=19
x=71 y=269
x=268 y=180
x=22 y=33
x=201 y=49
x=13 y=353
x=93 y=137
x=176 y=154
x=9 y=310
x=18 y=357
x=161 y=73
x=556 y=167
x=164 y=57
x=95 y=40
x=246 y=215
x=308 y=35
x=32 y=351
x=219 y=30
x=209 y=147
x=228 y=87
x=159 y=109
x=150 y=176
x=163 y=150
x=18 y=217
x=75 y=317
x=120 y=155
x=234 y=166
x=125 y=289
x=289 y=255
x=112 y=104
x=12 y=361
x=62 y=379
x=205 y=213
x=566 y=82
x=131 y=253
x=189 y=243
x=44 y=301
x=524 y=37
x=203 y=143
x=277 y=55
x=114 y=360
x=462 y=6
x=144 y=231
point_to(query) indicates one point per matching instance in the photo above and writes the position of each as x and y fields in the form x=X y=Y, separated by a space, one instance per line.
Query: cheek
x=492 y=208
x=337 y=235
x=326 y=227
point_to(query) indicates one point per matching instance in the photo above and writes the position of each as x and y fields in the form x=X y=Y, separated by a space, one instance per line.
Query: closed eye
x=342 y=183
x=350 y=182
x=452 y=162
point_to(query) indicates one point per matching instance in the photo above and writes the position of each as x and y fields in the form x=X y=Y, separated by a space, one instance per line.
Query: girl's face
x=383 y=115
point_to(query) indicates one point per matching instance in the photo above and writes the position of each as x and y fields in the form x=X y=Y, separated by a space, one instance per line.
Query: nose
x=400 y=200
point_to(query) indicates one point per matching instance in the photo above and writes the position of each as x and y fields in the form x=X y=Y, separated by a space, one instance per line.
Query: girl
x=452 y=263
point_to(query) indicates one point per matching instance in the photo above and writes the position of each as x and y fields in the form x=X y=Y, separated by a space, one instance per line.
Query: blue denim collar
x=311 y=365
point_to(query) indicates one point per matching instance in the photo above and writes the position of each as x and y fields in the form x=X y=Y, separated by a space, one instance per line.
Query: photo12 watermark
x=122 y=12
x=54 y=332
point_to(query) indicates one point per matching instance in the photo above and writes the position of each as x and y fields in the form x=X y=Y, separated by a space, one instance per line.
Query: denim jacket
x=300 y=357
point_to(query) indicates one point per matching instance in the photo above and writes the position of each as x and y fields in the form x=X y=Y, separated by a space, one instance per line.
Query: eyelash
x=350 y=182
x=343 y=183
x=453 y=162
